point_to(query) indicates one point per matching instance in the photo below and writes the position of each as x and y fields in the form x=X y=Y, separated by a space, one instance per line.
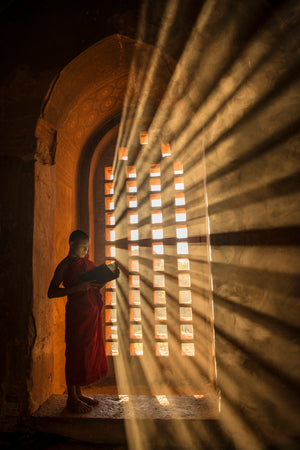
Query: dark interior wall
x=17 y=330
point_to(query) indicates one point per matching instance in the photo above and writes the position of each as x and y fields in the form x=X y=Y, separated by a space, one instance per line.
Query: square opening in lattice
x=111 y=348
x=109 y=188
x=123 y=153
x=185 y=313
x=158 y=265
x=183 y=264
x=134 y=297
x=136 y=331
x=161 y=349
x=180 y=199
x=135 y=314
x=143 y=137
x=111 y=332
x=179 y=183
x=160 y=313
x=133 y=234
x=188 y=349
x=109 y=203
x=182 y=248
x=178 y=168
x=131 y=186
x=110 y=234
x=181 y=232
x=159 y=297
x=110 y=251
x=133 y=217
x=165 y=149
x=186 y=331
x=134 y=281
x=159 y=281
x=109 y=219
x=111 y=284
x=155 y=185
x=134 y=265
x=155 y=200
x=157 y=248
x=130 y=172
x=136 y=349
x=185 y=297
x=184 y=280
x=156 y=216
x=133 y=250
x=110 y=298
x=161 y=331
x=157 y=233
x=132 y=201
x=109 y=173
x=180 y=214
x=110 y=315
x=154 y=170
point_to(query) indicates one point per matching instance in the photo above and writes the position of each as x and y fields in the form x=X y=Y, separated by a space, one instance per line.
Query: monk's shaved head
x=78 y=235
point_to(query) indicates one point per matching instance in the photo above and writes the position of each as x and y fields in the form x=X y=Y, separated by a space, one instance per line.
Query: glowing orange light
x=135 y=314
x=143 y=137
x=109 y=219
x=130 y=172
x=110 y=315
x=109 y=203
x=110 y=298
x=136 y=331
x=159 y=297
x=136 y=349
x=178 y=168
x=162 y=349
x=123 y=153
x=154 y=170
x=109 y=173
x=134 y=265
x=165 y=149
x=111 y=348
x=155 y=200
x=111 y=332
x=109 y=188
x=131 y=186
x=134 y=297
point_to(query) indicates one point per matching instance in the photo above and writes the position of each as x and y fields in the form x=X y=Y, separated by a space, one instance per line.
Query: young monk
x=85 y=353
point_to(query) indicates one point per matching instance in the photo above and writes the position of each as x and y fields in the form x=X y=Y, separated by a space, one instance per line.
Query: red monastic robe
x=85 y=352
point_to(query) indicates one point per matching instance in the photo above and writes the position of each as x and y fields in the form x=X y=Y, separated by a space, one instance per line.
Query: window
x=164 y=229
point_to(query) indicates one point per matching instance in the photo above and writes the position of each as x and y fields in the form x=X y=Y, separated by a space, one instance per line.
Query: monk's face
x=80 y=248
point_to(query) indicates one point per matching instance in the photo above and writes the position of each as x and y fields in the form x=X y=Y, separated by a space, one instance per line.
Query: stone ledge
x=106 y=422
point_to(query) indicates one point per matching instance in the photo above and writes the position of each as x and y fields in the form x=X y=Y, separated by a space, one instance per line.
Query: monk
x=85 y=352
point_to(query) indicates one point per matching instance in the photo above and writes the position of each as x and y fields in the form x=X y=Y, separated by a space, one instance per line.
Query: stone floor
x=106 y=424
x=158 y=407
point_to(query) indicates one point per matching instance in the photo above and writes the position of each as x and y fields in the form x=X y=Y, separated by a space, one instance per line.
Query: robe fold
x=85 y=352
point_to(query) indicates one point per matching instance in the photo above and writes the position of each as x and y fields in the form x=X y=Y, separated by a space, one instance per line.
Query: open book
x=101 y=274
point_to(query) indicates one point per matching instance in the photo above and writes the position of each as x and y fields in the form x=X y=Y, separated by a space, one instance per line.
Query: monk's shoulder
x=63 y=266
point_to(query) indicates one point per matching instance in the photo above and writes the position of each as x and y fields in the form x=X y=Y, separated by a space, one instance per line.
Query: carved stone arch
x=84 y=102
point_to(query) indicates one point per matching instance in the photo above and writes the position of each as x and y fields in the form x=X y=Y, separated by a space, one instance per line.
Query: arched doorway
x=81 y=125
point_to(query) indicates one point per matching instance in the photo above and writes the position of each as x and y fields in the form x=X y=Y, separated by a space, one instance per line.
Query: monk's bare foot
x=88 y=400
x=78 y=406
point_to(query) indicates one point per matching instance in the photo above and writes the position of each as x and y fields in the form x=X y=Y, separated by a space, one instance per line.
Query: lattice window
x=158 y=242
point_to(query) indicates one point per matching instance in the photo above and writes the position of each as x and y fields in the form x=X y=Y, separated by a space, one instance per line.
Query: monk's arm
x=55 y=290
